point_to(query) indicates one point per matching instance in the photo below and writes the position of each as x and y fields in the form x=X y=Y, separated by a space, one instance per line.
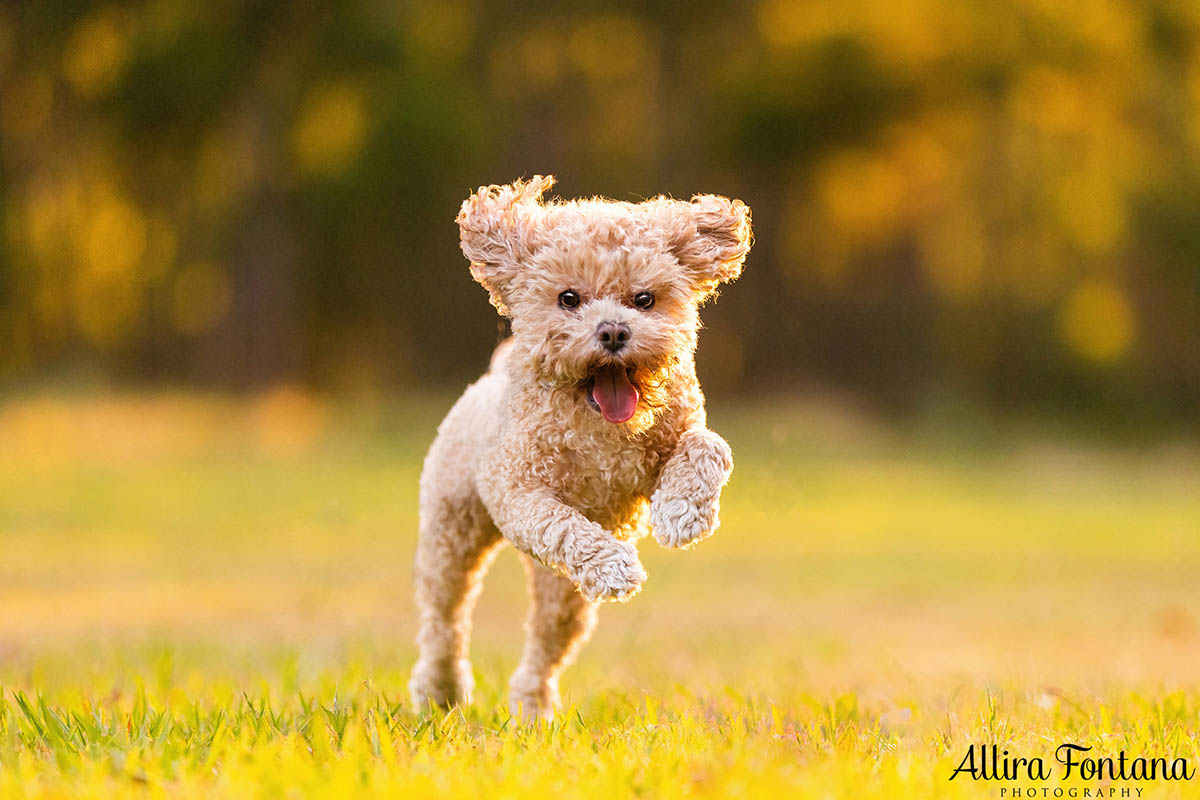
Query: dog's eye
x=644 y=301
x=569 y=299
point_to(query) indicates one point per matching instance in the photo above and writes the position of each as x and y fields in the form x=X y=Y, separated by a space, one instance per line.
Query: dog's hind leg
x=456 y=545
x=560 y=621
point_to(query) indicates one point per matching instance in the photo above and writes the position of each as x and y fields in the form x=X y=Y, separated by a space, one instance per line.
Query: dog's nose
x=612 y=335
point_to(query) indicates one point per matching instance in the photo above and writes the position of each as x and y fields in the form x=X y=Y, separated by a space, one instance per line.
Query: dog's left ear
x=710 y=236
x=497 y=227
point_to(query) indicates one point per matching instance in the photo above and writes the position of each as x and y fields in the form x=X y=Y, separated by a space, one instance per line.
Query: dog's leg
x=560 y=621
x=453 y=553
x=684 y=506
x=540 y=525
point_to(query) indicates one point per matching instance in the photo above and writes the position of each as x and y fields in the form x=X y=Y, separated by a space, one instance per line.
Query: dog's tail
x=499 y=356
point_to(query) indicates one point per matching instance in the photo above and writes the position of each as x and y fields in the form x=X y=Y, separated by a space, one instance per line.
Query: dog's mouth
x=610 y=391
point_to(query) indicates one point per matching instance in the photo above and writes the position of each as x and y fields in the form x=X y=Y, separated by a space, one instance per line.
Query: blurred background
x=961 y=373
x=992 y=206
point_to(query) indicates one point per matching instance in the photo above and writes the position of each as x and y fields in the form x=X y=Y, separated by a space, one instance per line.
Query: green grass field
x=200 y=596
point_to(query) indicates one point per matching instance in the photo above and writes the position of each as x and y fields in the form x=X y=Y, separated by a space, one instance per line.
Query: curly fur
x=524 y=457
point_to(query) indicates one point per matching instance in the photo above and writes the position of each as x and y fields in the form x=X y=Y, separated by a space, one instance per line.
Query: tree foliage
x=994 y=200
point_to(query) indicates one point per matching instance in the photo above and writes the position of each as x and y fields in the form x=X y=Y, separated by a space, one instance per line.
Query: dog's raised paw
x=613 y=573
x=683 y=509
x=679 y=522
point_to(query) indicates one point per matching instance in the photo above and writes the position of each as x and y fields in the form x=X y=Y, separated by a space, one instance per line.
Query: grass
x=200 y=596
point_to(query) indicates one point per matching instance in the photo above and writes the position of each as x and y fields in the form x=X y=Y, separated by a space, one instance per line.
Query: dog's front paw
x=680 y=522
x=684 y=508
x=612 y=572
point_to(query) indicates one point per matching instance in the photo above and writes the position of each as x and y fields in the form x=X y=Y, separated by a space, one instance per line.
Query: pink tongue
x=614 y=394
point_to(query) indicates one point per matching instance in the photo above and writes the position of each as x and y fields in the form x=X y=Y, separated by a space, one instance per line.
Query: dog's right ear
x=496 y=226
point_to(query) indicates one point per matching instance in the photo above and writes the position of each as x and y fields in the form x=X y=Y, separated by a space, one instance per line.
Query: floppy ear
x=496 y=227
x=711 y=237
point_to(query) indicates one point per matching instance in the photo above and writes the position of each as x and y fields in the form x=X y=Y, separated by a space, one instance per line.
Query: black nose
x=613 y=335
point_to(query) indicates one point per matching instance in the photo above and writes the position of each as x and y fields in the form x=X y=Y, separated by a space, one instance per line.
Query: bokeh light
x=942 y=171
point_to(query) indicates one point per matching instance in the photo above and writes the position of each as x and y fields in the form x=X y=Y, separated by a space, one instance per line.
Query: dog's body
x=588 y=428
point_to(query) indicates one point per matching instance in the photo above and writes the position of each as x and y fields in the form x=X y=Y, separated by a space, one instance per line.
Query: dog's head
x=603 y=295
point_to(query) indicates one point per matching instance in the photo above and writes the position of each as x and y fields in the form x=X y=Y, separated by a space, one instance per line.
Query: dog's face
x=603 y=295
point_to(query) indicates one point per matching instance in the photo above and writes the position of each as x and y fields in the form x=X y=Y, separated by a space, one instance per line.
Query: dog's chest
x=602 y=475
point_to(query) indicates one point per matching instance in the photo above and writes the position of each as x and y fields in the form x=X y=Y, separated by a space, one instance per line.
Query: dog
x=588 y=429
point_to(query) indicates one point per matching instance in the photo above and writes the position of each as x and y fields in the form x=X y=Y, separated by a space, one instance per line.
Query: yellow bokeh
x=1092 y=211
x=862 y=194
x=905 y=32
x=96 y=52
x=200 y=298
x=1097 y=321
x=331 y=128
x=1052 y=100
x=794 y=23
x=1193 y=87
x=114 y=237
x=1110 y=27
